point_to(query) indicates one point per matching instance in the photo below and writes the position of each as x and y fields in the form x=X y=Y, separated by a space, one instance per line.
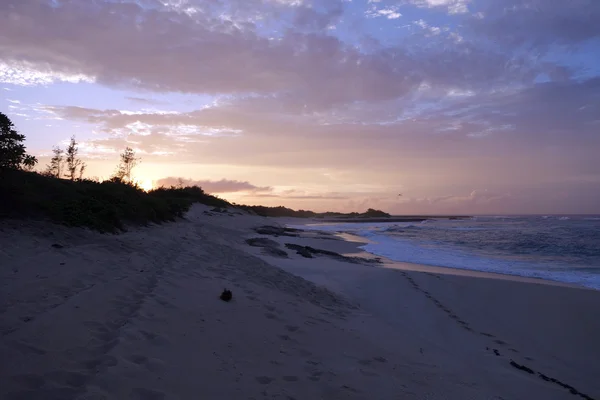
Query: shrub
x=104 y=206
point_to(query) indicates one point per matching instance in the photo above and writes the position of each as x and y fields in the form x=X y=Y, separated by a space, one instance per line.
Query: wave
x=528 y=246
x=430 y=254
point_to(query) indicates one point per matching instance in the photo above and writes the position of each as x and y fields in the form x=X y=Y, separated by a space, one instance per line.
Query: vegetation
x=288 y=212
x=75 y=166
x=12 y=149
x=55 y=168
x=126 y=165
x=104 y=206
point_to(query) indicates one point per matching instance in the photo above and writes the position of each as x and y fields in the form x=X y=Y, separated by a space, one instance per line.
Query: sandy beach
x=138 y=316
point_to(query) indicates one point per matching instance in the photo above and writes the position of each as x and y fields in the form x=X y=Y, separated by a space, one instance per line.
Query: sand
x=138 y=316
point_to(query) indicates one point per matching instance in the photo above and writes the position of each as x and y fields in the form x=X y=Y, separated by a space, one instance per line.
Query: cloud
x=303 y=65
x=24 y=73
x=221 y=186
x=536 y=23
x=451 y=6
x=390 y=12
x=458 y=92
x=144 y=101
x=520 y=132
x=295 y=194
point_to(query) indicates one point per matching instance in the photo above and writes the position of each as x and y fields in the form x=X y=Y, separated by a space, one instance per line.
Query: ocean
x=559 y=248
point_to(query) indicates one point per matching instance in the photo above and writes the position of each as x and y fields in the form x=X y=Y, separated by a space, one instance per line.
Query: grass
x=103 y=206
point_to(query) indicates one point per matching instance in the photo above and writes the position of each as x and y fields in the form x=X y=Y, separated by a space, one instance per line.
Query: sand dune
x=138 y=316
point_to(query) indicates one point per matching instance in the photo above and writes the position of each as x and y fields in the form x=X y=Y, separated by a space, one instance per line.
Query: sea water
x=560 y=248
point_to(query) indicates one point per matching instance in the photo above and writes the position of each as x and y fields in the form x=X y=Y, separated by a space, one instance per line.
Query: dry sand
x=137 y=316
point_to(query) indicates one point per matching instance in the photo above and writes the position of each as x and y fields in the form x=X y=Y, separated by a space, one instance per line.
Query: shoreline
x=410 y=266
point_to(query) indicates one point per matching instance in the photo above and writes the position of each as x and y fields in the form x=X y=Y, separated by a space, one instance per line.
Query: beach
x=138 y=316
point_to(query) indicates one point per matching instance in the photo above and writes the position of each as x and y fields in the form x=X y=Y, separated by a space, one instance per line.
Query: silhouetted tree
x=12 y=149
x=128 y=162
x=75 y=166
x=56 y=163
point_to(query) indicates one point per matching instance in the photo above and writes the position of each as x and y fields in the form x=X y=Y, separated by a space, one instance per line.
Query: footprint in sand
x=164 y=303
x=26 y=348
x=54 y=393
x=104 y=361
x=351 y=389
x=315 y=376
x=272 y=316
x=264 y=380
x=154 y=338
x=146 y=394
x=138 y=359
x=304 y=353
x=30 y=381
x=292 y=328
x=368 y=373
x=67 y=378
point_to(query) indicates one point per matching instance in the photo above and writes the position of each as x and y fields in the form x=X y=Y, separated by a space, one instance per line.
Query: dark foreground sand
x=137 y=316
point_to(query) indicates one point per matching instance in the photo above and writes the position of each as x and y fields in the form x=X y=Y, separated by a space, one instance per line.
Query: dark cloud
x=165 y=49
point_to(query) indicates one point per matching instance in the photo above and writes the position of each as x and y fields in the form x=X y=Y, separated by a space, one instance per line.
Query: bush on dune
x=104 y=206
x=190 y=193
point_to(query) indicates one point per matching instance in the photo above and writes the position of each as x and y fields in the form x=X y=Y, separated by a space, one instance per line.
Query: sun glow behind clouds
x=146 y=184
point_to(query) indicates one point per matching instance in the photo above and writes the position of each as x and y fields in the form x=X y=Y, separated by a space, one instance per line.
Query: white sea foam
x=404 y=250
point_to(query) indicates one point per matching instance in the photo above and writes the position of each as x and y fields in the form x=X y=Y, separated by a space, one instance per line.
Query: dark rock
x=310 y=252
x=544 y=377
x=57 y=246
x=277 y=231
x=521 y=367
x=304 y=251
x=272 y=251
x=262 y=242
x=226 y=295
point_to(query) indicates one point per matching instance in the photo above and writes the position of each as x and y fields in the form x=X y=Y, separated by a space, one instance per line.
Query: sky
x=410 y=106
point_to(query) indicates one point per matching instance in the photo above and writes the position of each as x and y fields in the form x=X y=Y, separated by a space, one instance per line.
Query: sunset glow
x=146 y=184
x=463 y=106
